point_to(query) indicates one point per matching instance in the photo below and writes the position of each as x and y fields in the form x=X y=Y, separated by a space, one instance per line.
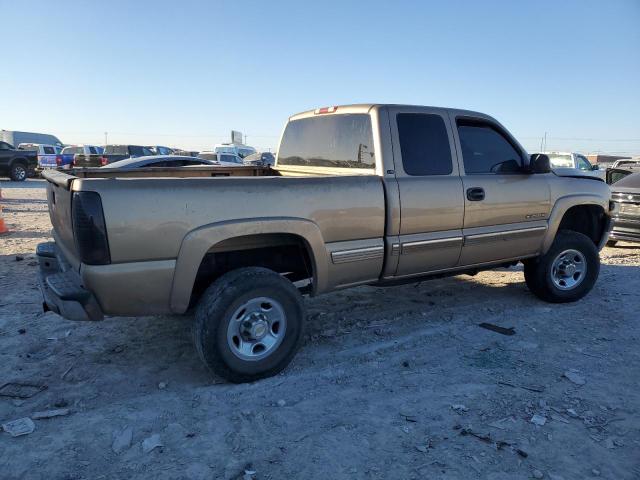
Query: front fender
x=197 y=242
x=561 y=207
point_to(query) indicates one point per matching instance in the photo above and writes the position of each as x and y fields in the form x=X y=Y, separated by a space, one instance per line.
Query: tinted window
x=485 y=150
x=135 y=150
x=5 y=146
x=328 y=141
x=424 y=144
x=229 y=158
x=49 y=150
x=209 y=156
x=93 y=151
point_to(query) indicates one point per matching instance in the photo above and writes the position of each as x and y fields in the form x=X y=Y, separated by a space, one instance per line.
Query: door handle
x=475 y=194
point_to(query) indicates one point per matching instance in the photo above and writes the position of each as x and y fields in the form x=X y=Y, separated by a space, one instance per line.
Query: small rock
x=19 y=258
x=281 y=403
x=60 y=412
x=572 y=413
x=574 y=377
x=459 y=408
x=162 y=385
x=21 y=426
x=609 y=443
x=537 y=474
x=149 y=443
x=595 y=472
x=539 y=420
x=422 y=448
x=122 y=440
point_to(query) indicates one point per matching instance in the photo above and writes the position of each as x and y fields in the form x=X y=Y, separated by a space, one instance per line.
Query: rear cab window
x=487 y=150
x=343 y=141
x=424 y=144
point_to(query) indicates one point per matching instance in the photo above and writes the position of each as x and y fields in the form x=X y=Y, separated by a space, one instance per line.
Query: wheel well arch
x=22 y=160
x=288 y=254
x=587 y=219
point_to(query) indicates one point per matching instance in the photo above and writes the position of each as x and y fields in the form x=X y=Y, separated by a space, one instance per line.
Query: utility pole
x=245 y=138
x=105 y=138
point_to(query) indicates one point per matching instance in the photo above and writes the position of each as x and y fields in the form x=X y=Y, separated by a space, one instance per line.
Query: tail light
x=58 y=160
x=322 y=110
x=89 y=230
x=103 y=161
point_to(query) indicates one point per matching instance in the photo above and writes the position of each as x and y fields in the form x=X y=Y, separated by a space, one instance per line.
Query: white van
x=235 y=149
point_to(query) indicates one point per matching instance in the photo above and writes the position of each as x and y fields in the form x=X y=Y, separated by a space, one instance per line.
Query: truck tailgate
x=59 y=196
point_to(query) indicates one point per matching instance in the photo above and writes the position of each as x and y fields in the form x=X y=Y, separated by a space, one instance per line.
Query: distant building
x=16 y=138
x=596 y=158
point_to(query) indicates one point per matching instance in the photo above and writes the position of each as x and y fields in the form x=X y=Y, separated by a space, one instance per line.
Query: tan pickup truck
x=360 y=194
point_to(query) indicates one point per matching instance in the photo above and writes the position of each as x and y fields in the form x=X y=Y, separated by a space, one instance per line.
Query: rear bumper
x=61 y=287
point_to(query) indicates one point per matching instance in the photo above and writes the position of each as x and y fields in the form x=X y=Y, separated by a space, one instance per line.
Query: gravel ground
x=391 y=383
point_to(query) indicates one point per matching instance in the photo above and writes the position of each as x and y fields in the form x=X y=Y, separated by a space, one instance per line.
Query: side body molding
x=560 y=208
x=197 y=242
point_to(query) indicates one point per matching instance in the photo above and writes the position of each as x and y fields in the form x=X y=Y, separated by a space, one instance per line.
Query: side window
x=582 y=163
x=486 y=150
x=4 y=146
x=424 y=144
x=49 y=150
x=93 y=151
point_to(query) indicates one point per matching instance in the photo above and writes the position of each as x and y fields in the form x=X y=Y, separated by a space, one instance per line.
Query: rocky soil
x=397 y=383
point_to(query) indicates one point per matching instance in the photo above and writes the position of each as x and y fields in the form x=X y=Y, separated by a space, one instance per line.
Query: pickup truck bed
x=363 y=194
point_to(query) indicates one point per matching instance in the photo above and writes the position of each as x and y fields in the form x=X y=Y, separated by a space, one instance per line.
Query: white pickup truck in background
x=565 y=162
x=46 y=154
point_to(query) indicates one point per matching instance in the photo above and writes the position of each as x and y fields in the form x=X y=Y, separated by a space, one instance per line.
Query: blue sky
x=186 y=73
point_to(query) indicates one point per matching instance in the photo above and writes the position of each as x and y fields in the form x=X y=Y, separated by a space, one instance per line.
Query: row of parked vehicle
x=30 y=158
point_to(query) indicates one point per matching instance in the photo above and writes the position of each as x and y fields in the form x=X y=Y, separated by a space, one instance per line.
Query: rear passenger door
x=431 y=200
x=506 y=209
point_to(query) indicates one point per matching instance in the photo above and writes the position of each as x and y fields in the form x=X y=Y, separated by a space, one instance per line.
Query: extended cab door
x=506 y=209
x=430 y=189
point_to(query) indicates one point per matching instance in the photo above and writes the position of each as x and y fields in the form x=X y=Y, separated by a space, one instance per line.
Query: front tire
x=567 y=272
x=248 y=324
x=18 y=172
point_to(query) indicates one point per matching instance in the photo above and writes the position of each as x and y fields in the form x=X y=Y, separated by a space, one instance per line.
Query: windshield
x=560 y=161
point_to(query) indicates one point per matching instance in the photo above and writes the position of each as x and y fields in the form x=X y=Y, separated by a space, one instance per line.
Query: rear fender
x=198 y=242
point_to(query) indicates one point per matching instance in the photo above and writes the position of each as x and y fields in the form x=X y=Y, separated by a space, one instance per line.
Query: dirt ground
x=396 y=383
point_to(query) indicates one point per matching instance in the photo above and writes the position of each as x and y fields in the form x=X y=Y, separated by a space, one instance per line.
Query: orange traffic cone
x=3 y=226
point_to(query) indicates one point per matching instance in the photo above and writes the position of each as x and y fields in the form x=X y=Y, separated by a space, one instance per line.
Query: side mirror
x=540 y=163
x=595 y=167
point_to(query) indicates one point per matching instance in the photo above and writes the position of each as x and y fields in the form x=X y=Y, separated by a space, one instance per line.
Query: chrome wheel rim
x=568 y=269
x=256 y=328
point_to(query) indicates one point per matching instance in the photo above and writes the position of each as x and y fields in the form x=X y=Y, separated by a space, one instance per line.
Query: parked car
x=626 y=195
x=17 y=164
x=47 y=154
x=111 y=154
x=159 y=161
x=68 y=154
x=233 y=148
x=160 y=150
x=226 y=159
x=265 y=159
x=360 y=194
x=633 y=163
x=566 y=161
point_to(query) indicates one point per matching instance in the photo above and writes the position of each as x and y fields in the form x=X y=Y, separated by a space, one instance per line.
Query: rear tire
x=248 y=324
x=567 y=272
x=18 y=172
